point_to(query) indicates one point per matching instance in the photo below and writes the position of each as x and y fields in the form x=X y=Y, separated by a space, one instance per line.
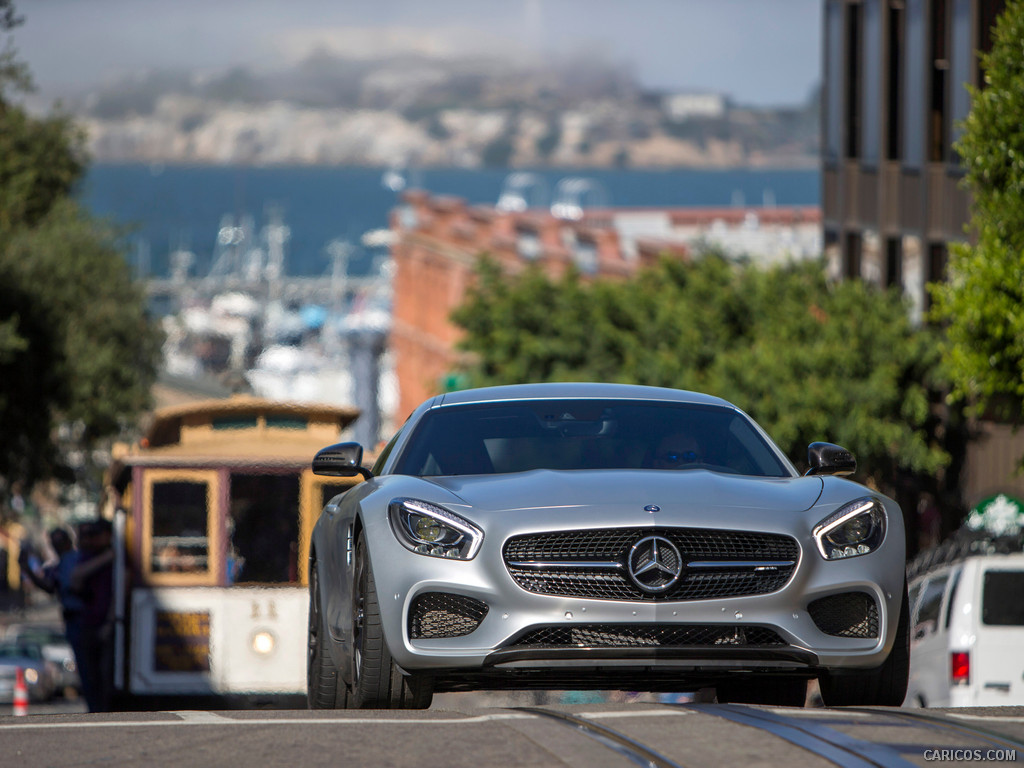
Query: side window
x=378 y=465
x=952 y=596
x=930 y=606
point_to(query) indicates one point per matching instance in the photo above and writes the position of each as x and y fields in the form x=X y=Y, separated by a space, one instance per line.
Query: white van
x=967 y=633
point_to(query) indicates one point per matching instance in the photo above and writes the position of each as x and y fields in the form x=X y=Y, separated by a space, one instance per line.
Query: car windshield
x=505 y=437
x=12 y=651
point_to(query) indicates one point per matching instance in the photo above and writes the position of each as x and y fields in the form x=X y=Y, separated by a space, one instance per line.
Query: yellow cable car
x=216 y=507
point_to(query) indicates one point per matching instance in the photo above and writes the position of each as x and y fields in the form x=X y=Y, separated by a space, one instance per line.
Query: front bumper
x=490 y=653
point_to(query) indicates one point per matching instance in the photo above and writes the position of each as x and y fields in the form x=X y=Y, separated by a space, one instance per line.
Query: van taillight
x=960 y=665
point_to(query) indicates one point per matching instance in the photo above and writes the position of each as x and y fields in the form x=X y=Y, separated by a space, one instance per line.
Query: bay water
x=166 y=208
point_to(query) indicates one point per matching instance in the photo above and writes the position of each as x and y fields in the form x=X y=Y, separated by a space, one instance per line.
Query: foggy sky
x=759 y=52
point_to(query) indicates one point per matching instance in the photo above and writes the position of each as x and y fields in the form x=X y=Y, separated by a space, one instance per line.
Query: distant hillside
x=456 y=112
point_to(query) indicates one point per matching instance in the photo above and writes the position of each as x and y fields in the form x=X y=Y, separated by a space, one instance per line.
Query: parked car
x=967 y=622
x=40 y=674
x=599 y=536
x=55 y=648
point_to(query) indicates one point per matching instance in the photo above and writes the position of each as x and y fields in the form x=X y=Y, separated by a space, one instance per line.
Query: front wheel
x=324 y=687
x=377 y=682
x=885 y=686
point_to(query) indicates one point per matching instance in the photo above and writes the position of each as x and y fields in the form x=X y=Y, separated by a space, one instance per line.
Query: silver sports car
x=600 y=536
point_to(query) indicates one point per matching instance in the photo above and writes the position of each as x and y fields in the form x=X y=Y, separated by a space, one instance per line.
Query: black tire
x=776 y=691
x=885 y=686
x=324 y=687
x=377 y=682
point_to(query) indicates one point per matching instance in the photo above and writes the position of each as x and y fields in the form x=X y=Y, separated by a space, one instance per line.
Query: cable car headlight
x=428 y=529
x=263 y=642
x=857 y=528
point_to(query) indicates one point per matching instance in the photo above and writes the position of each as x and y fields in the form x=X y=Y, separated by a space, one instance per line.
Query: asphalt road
x=581 y=736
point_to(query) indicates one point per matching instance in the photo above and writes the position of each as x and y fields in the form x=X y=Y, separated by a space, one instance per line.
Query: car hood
x=671 y=491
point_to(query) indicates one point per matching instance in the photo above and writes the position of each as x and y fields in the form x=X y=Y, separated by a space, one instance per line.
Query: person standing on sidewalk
x=55 y=578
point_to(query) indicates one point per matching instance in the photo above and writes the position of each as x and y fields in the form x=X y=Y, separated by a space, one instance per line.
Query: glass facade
x=871 y=86
x=915 y=86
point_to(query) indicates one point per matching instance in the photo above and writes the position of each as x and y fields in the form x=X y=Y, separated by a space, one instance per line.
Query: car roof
x=571 y=390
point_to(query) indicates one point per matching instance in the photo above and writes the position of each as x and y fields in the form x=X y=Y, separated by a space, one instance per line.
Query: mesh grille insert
x=850 y=614
x=577 y=551
x=646 y=636
x=440 y=614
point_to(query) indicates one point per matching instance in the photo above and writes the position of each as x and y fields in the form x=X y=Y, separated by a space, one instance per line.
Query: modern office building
x=895 y=91
x=896 y=77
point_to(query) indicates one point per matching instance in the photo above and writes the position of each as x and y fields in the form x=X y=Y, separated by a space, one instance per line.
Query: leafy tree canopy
x=779 y=343
x=76 y=345
x=982 y=303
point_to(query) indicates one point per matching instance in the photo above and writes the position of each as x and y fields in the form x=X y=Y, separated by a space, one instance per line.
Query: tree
x=76 y=345
x=809 y=360
x=982 y=302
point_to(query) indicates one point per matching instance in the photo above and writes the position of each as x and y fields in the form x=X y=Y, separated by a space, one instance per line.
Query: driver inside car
x=678 y=450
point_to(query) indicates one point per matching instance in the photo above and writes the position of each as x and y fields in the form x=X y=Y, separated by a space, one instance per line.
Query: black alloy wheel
x=324 y=687
x=377 y=682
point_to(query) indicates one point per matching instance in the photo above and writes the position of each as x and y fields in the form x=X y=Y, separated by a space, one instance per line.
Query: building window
x=872 y=102
x=894 y=124
x=915 y=85
x=937 y=129
x=894 y=262
x=852 y=256
x=833 y=106
x=854 y=84
x=961 y=55
x=938 y=256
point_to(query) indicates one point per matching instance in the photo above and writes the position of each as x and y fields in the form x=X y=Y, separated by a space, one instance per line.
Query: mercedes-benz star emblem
x=654 y=564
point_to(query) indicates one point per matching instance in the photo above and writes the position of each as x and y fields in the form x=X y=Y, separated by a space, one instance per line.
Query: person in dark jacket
x=93 y=580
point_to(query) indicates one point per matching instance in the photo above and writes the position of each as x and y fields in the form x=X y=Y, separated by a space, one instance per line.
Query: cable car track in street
x=949 y=724
x=798 y=729
x=631 y=749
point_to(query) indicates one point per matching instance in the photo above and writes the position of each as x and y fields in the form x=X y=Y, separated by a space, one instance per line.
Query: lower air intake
x=849 y=614
x=440 y=614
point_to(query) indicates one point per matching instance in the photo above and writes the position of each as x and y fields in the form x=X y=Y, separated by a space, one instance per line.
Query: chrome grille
x=593 y=563
x=646 y=636
x=849 y=614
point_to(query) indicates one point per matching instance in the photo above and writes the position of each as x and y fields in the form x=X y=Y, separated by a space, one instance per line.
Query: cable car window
x=180 y=514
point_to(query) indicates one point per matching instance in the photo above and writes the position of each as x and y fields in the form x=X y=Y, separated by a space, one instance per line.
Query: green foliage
x=40 y=161
x=807 y=359
x=983 y=301
x=84 y=350
x=76 y=345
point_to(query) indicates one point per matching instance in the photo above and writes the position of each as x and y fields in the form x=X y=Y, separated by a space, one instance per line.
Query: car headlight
x=854 y=529
x=428 y=529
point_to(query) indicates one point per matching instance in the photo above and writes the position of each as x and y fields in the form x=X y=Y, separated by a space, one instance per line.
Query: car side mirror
x=829 y=459
x=341 y=460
